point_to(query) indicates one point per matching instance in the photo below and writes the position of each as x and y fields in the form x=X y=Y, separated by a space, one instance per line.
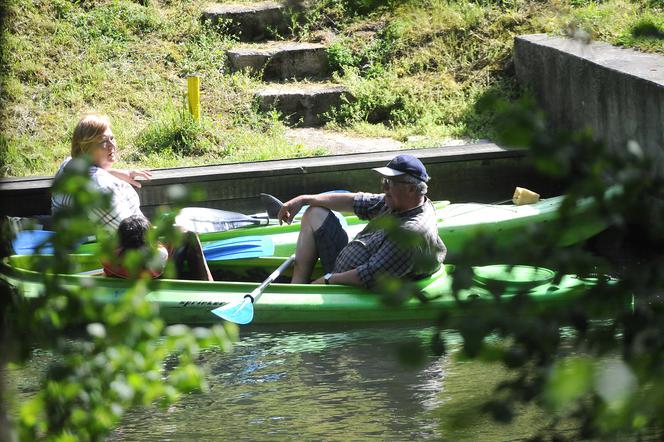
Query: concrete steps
x=278 y=61
x=302 y=105
x=250 y=21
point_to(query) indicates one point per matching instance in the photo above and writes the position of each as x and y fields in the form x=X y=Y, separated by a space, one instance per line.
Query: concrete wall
x=481 y=172
x=617 y=92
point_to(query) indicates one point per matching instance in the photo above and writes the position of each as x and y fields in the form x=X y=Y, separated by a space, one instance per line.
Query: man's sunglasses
x=388 y=183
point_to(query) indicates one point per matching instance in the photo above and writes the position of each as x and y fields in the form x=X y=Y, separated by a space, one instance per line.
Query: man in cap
x=401 y=239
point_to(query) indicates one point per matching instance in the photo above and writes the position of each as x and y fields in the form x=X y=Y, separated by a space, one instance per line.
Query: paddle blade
x=28 y=241
x=203 y=219
x=272 y=204
x=238 y=248
x=237 y=312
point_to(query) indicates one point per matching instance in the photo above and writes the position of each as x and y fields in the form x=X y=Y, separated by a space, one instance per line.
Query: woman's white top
x=124 y=199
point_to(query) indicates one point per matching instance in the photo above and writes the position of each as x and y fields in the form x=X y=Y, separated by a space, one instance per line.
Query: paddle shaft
x=253 y=219
x=258 y=291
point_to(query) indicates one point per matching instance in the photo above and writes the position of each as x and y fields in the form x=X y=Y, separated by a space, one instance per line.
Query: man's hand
x=350 y=277
x=341 y=202
x=290 y=209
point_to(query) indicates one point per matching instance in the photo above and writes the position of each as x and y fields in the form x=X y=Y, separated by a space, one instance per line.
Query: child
x=132 y=236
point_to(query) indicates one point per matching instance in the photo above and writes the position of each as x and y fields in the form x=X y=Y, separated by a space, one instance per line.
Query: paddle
x=243 y=312
x=234 y=248
x=238 y=248
x=195 y=219
x=273 y=204
x=27 y=242
x=204 y=219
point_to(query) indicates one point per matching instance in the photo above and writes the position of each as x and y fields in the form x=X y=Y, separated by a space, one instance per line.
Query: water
x=332 y=384
x=306 y=384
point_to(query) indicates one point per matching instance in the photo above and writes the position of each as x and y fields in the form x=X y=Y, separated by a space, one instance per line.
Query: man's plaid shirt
x=397 y=244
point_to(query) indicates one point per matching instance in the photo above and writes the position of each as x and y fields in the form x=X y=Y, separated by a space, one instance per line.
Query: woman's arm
x=131 y=176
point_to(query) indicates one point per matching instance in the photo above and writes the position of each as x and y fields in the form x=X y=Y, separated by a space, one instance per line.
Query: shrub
x=176 y=131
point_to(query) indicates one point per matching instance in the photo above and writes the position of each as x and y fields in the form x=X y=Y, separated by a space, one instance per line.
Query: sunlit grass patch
x=229 y=146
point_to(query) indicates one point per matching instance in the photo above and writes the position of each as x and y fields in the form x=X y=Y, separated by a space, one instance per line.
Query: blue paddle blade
x=28 y=241
x=238 y=248
x=237 y=312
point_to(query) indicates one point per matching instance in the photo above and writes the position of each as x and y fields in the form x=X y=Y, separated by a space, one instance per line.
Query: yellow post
x=194 y=95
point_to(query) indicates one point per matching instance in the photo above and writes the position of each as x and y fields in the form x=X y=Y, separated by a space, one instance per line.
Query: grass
x=415 y=68
x=131 y=62
x=424 y=65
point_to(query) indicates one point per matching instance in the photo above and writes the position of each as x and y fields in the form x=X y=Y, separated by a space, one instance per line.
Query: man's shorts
x=330 y=238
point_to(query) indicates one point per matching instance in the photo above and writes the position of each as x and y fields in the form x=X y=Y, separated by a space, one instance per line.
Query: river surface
x=331 y=384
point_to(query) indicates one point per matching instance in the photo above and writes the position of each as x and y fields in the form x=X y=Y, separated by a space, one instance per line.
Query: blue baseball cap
x=404 y=165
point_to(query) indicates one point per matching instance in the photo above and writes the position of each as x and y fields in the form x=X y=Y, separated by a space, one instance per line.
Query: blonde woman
x=94 y=137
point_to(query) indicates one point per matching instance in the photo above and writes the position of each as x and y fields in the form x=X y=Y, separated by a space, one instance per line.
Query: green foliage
x=118 y=21
x=569 y=381
x=439 y=68
x=646 y=34
x=124 y=356
x=355 y=8
x=204 y=49
x=177 y=132
x=340 y=56
x=175 y=136
x=596 y=363
x=634 y=24
x=420 y=67
x=424 y=69
x=648 y=28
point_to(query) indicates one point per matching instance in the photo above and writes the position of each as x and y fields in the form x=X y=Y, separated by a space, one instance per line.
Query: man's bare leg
x=306 y=253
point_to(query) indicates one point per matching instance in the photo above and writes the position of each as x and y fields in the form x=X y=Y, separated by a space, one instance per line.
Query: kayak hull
x=191 y=302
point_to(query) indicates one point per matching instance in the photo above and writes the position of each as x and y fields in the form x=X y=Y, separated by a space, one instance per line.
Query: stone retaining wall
x=617 y=92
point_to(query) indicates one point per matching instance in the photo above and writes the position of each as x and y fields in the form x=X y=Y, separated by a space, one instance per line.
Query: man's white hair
x=420 y=186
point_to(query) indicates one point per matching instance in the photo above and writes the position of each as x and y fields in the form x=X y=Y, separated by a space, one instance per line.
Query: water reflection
x=306 y=384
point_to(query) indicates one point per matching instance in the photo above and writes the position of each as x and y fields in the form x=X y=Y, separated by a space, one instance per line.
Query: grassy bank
x=415 y=67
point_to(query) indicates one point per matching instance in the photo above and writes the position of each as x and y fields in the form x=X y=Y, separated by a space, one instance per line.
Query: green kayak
x=191 y=302
x=457 y=224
